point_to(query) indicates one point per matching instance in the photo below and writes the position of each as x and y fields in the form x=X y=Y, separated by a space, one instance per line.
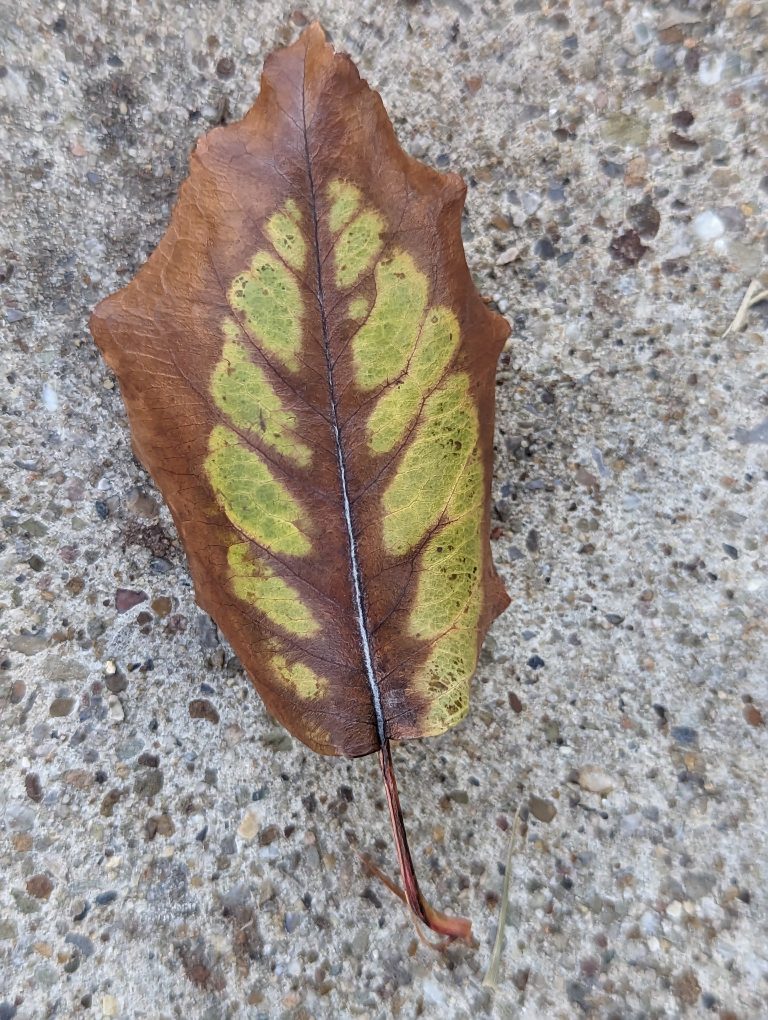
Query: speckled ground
x=166 y=850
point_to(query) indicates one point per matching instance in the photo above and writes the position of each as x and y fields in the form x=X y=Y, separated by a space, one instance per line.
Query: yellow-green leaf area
x=358 y=308
x=241 y=389
x=284 y=231
x=254 y=582
x=357 y=247
x=267 y=296
x=384 y=342
x=254 y=500
x=448 y=603
x=449 y=567
x=398 y=406
x=431 y=466
x=345 y=200
x=301 y=680
x=445 y=677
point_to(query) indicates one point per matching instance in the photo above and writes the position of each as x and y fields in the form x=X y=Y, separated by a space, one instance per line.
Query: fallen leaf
x=308 y=372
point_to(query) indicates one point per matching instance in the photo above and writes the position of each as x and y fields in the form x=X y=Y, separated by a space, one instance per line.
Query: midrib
x=354 y=562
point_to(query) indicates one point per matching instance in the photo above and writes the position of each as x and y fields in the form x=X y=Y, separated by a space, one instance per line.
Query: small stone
x=753 y=715
x=117 y=683
x=149 y=783
x=142 y=504
x=621 y=129
x=628 y=248
x=105 y=898
x=292 y=921
x=60 y=707
x=116 y=711
x=680 y=143
x=514 y=702
x=730 y=550
x=594 y=780
x=685 y=736
x=711 y=68
x=159 y=825
x=18 y=690
x=708 y=226
x=248 y=828
x=40 y=886
x=544 y=249
x=82 y=942
x=269 y=835
x=644 y=217
x=686 y=987
x=126 y=599
x=508 y=256
x=542 y=809
x=162 y=606
x=109 y=1006
x=32 y=787
x=202 y=708
x=225 y=67
x=683 y=119
x=675 y=910
x=536 y=662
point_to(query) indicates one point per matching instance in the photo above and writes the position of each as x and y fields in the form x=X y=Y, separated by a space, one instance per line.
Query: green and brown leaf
x=309 y=376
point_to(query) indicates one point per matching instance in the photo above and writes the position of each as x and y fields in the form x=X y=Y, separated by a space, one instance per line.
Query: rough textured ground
x=166 y=851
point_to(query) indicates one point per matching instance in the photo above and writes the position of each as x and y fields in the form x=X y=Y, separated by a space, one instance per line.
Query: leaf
x=309 y=373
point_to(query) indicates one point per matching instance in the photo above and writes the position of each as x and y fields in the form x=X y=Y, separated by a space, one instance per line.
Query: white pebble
x=594 y=780
x=675 y=910
x=708 y=226
x=711 y=69
x=249 y=826
x=50 y=398
x=116 y=712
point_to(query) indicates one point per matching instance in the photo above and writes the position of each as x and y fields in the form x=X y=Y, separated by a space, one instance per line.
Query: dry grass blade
x=491 y=979
x=752 y=297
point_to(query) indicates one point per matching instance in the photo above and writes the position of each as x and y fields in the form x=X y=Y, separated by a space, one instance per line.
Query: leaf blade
x=309 y=376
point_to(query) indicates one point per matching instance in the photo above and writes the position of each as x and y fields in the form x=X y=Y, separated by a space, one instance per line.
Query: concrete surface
x=165 y=850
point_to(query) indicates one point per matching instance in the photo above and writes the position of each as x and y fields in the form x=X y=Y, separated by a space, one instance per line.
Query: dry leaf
x=309 y=376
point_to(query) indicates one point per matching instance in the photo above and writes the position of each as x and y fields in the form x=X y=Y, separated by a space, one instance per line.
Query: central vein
x=354 y=562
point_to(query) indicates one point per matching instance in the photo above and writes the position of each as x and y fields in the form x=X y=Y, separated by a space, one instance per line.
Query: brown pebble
x=627 y=248
x=268 y=835
x=117 y=683
x=159 y=825
x=201 y=708
x=681 y=143
x=683 y=119
x=514 y=702
x=753 y=715
x=225 y=68
x=162 y=606
x=40 y=886
x=542 y=809
x=18 y=691
x=686 y=987
x=61 y=706
x=33 y=787
x=126 y=599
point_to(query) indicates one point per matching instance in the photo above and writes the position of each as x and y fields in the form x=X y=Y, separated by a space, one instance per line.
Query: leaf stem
x=451 y=927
